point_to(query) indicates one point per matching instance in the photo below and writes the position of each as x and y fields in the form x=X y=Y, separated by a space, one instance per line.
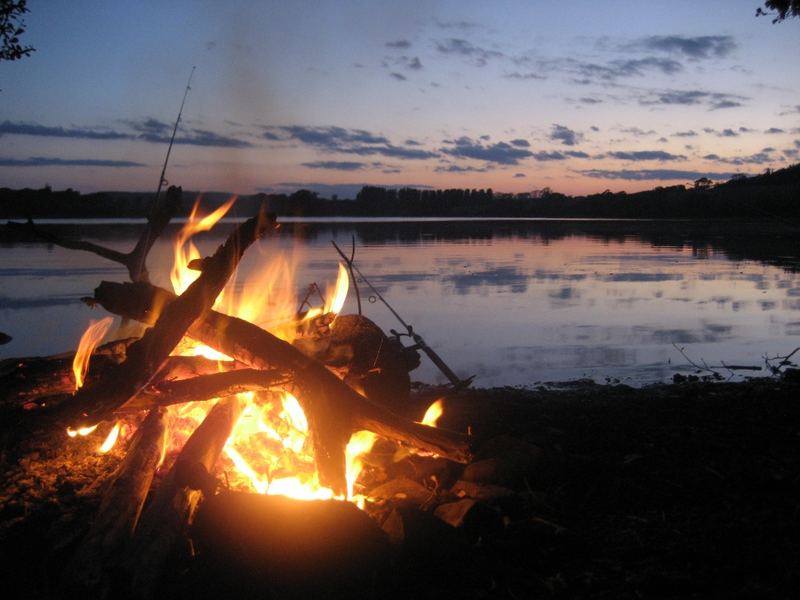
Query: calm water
x=513 y=302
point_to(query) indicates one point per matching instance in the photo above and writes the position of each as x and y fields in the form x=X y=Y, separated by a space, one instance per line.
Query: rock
x=505 y=460
x=478 y=491
x=402 y=489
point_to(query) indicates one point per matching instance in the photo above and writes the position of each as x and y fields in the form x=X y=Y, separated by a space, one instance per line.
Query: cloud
x=646 y=155
x=519 y=175
x=545 y=156
x=759 y=158
x=41 y=161
x=411 y=63
x=689 y=133
x=399 y=44
x=345 y=141
x=714 y=100
x=524 y=76
x=335 y=165
x=520 y=143
x=697 y=47
x=33 y=129
x=576 y=154
x=159 y=132
x=728 y=133
x=655 y=174
x=565 y=135
x=636 y=131
x=772 y=130
x=398 y=76
x=500 y=153
x=587 y=100
x=632 y=67
x=463 y=25
x=461 y=47
x=459 y=169
x=790 y=111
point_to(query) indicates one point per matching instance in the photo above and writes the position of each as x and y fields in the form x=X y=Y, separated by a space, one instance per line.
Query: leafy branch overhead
x=783 y=8
x=11 y=27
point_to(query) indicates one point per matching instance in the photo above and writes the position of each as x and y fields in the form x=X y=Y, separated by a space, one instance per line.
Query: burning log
x=134 y=260
x=97 y=402
x=161 y=533
x=204 y=387
x=120 y=507
x=377 y=366
x=333 y=409
x=30 y=379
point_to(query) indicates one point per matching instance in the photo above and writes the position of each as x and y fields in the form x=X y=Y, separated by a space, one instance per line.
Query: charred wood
x=333 y=409
x=96 y=402
x=160 y=538
x=205 y=387
x=31 y=378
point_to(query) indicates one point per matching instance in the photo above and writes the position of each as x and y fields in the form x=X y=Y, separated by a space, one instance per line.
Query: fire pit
x=218 y=411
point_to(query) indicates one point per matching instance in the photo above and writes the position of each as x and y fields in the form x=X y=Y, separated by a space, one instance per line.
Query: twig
x=349 y=262
x=711 y=368
x=776 y=370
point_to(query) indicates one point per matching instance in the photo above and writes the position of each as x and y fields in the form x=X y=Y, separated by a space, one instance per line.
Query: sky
x=577 y=97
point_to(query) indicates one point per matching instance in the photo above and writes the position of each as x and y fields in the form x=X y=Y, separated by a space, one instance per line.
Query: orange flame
x=269 y=450
x=89 y=340
x=185 y=250
x=83 y=431
x=360 y=443
x=433 y=413
x=339 y=295
x=110 y=440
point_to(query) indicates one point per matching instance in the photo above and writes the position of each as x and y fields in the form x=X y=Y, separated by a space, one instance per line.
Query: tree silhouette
x=11 y=27
x=784 y=8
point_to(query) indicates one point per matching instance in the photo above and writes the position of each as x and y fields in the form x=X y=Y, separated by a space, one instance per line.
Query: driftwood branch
x=333 y=409
x=713 y=368
x=784 y=361
x=135 y=260
x=96 y=402
x=204 y=387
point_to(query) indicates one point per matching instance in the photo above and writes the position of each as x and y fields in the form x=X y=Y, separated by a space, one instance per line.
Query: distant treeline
x=771 y=194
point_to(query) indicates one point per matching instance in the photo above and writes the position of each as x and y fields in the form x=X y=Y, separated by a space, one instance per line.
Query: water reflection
x=514 y=302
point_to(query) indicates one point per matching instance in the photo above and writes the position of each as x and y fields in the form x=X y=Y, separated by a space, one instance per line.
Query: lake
x=513 y=302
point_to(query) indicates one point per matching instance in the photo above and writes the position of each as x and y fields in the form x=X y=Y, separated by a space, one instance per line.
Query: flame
x=83 y=431
x=185 y=250
x=433 y=413
x=340 y=292
x=360 y=443
x=269 y=450
x=89 y=340
x=111 y=439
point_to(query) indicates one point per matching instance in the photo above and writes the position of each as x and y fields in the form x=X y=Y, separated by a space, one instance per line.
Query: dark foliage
x=783 y=8
x=11 y=27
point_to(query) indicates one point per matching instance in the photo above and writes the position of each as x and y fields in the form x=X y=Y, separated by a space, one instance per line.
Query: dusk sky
x=578 y=97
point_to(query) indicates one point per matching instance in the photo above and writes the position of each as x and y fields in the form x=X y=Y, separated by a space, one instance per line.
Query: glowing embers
x=270 y=450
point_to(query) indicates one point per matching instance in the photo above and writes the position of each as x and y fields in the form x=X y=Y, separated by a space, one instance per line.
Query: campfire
x=231 y=395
